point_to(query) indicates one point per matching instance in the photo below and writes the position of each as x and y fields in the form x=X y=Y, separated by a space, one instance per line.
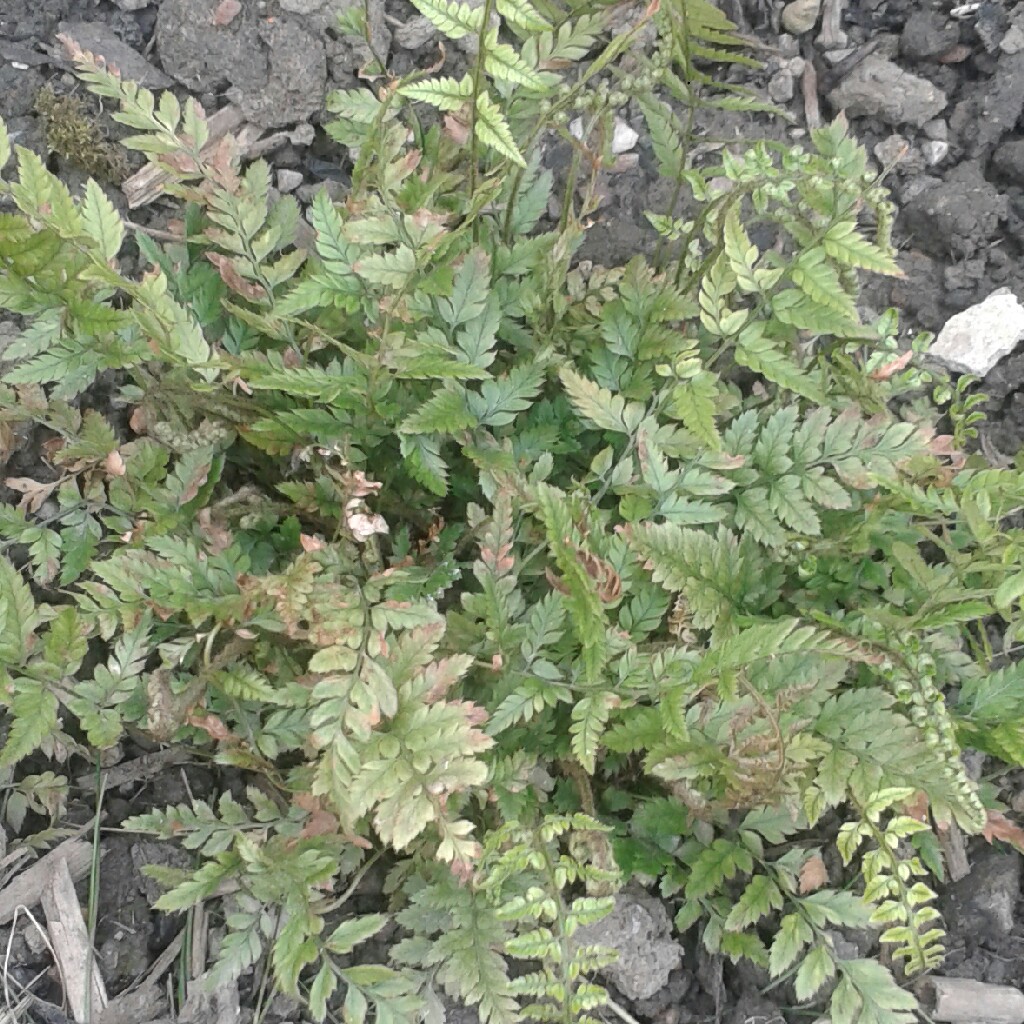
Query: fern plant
x=528 y=576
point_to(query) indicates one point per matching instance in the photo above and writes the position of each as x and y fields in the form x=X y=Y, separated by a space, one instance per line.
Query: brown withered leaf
x=33 y=492
x=813 y=875
x=886 y=370
x=233 y=279
x=210 y=724
x=609 y=584
x=456 y=129
x=999 y=826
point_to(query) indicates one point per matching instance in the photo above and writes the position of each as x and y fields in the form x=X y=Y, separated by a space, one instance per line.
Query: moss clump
x=75 y=135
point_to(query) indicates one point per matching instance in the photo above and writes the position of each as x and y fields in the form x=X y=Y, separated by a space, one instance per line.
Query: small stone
x=788 y=46
x=624 y=138
x=935 y=151
x=800 y=16
x=796 y=66
x=1013 y=41
x=639 y=928
x=879 y=88
x=973 y=342
x=416 y=34
x=576 y=128
x=985 y=900
x=305 y=7
x=288 y=181
x=892 y=150
x=837 y=56
x=936 y=129
x=780 y=88
x=132 y=5
x=1008 y=159
x=926 y=34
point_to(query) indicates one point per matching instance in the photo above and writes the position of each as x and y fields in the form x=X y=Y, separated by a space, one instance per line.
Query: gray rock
x=958 y=216
x=304 y=7
x=983 y=902
x=1008 y=159
x=936 y=129
x=97 y=38
x=973 y=342
x=879 y=88
x=277 y=69
x=296 y=82
x=934 y=151
x=892 y=150
x=780 y=87
x=928 y=33
x=132 y=5
x=19 y=88
x=288 y=181
x=1013 y=41
x=990 y=112
x=799 y=16
x=205 y=57
x=416 y=34
x=639 y=929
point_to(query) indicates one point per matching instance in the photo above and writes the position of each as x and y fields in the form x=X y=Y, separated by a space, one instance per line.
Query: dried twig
x=27 y=889
x=960 y=1001
x=83 y=988
x=146 y=185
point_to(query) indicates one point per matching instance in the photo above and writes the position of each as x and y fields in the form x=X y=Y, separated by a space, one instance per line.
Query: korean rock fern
x=525 y=576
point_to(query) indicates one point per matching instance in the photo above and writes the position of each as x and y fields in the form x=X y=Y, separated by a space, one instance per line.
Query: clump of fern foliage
x=530 y=577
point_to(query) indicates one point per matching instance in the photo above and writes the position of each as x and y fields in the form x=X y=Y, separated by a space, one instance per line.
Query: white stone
x=935 y=151
x=1013 y=41
x=976 y=339
x=132 y=5
x=800 y=16
x=576 y=128
x=624 y=138
x=936 y=129
x=288 y=180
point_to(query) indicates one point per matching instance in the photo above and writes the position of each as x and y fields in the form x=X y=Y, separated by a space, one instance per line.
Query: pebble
x=835 y=56
x=788 y=46
x=976 y=339
x=936 y=129
x=780 y=88
x=879 y=88
x=624 y=138
x=417 y=33
x=935 y=151
x=800 y=16
x=288 y=181
x=132 y=5
x=892 y=150
x=1013 y=41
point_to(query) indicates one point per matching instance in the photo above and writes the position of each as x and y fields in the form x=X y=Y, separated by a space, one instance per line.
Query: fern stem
x=478 y=74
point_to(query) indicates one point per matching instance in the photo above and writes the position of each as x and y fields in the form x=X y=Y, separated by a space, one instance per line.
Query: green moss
x=75 y=135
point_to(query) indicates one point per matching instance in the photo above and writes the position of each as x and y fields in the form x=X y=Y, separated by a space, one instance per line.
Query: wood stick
x=148 y=766
x=70 y=939
x=962 y=1001
x=27 y=888
x=954 y=852
x=147 y=184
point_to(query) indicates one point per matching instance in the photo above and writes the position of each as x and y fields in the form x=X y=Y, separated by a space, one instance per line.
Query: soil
x=939 y=98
